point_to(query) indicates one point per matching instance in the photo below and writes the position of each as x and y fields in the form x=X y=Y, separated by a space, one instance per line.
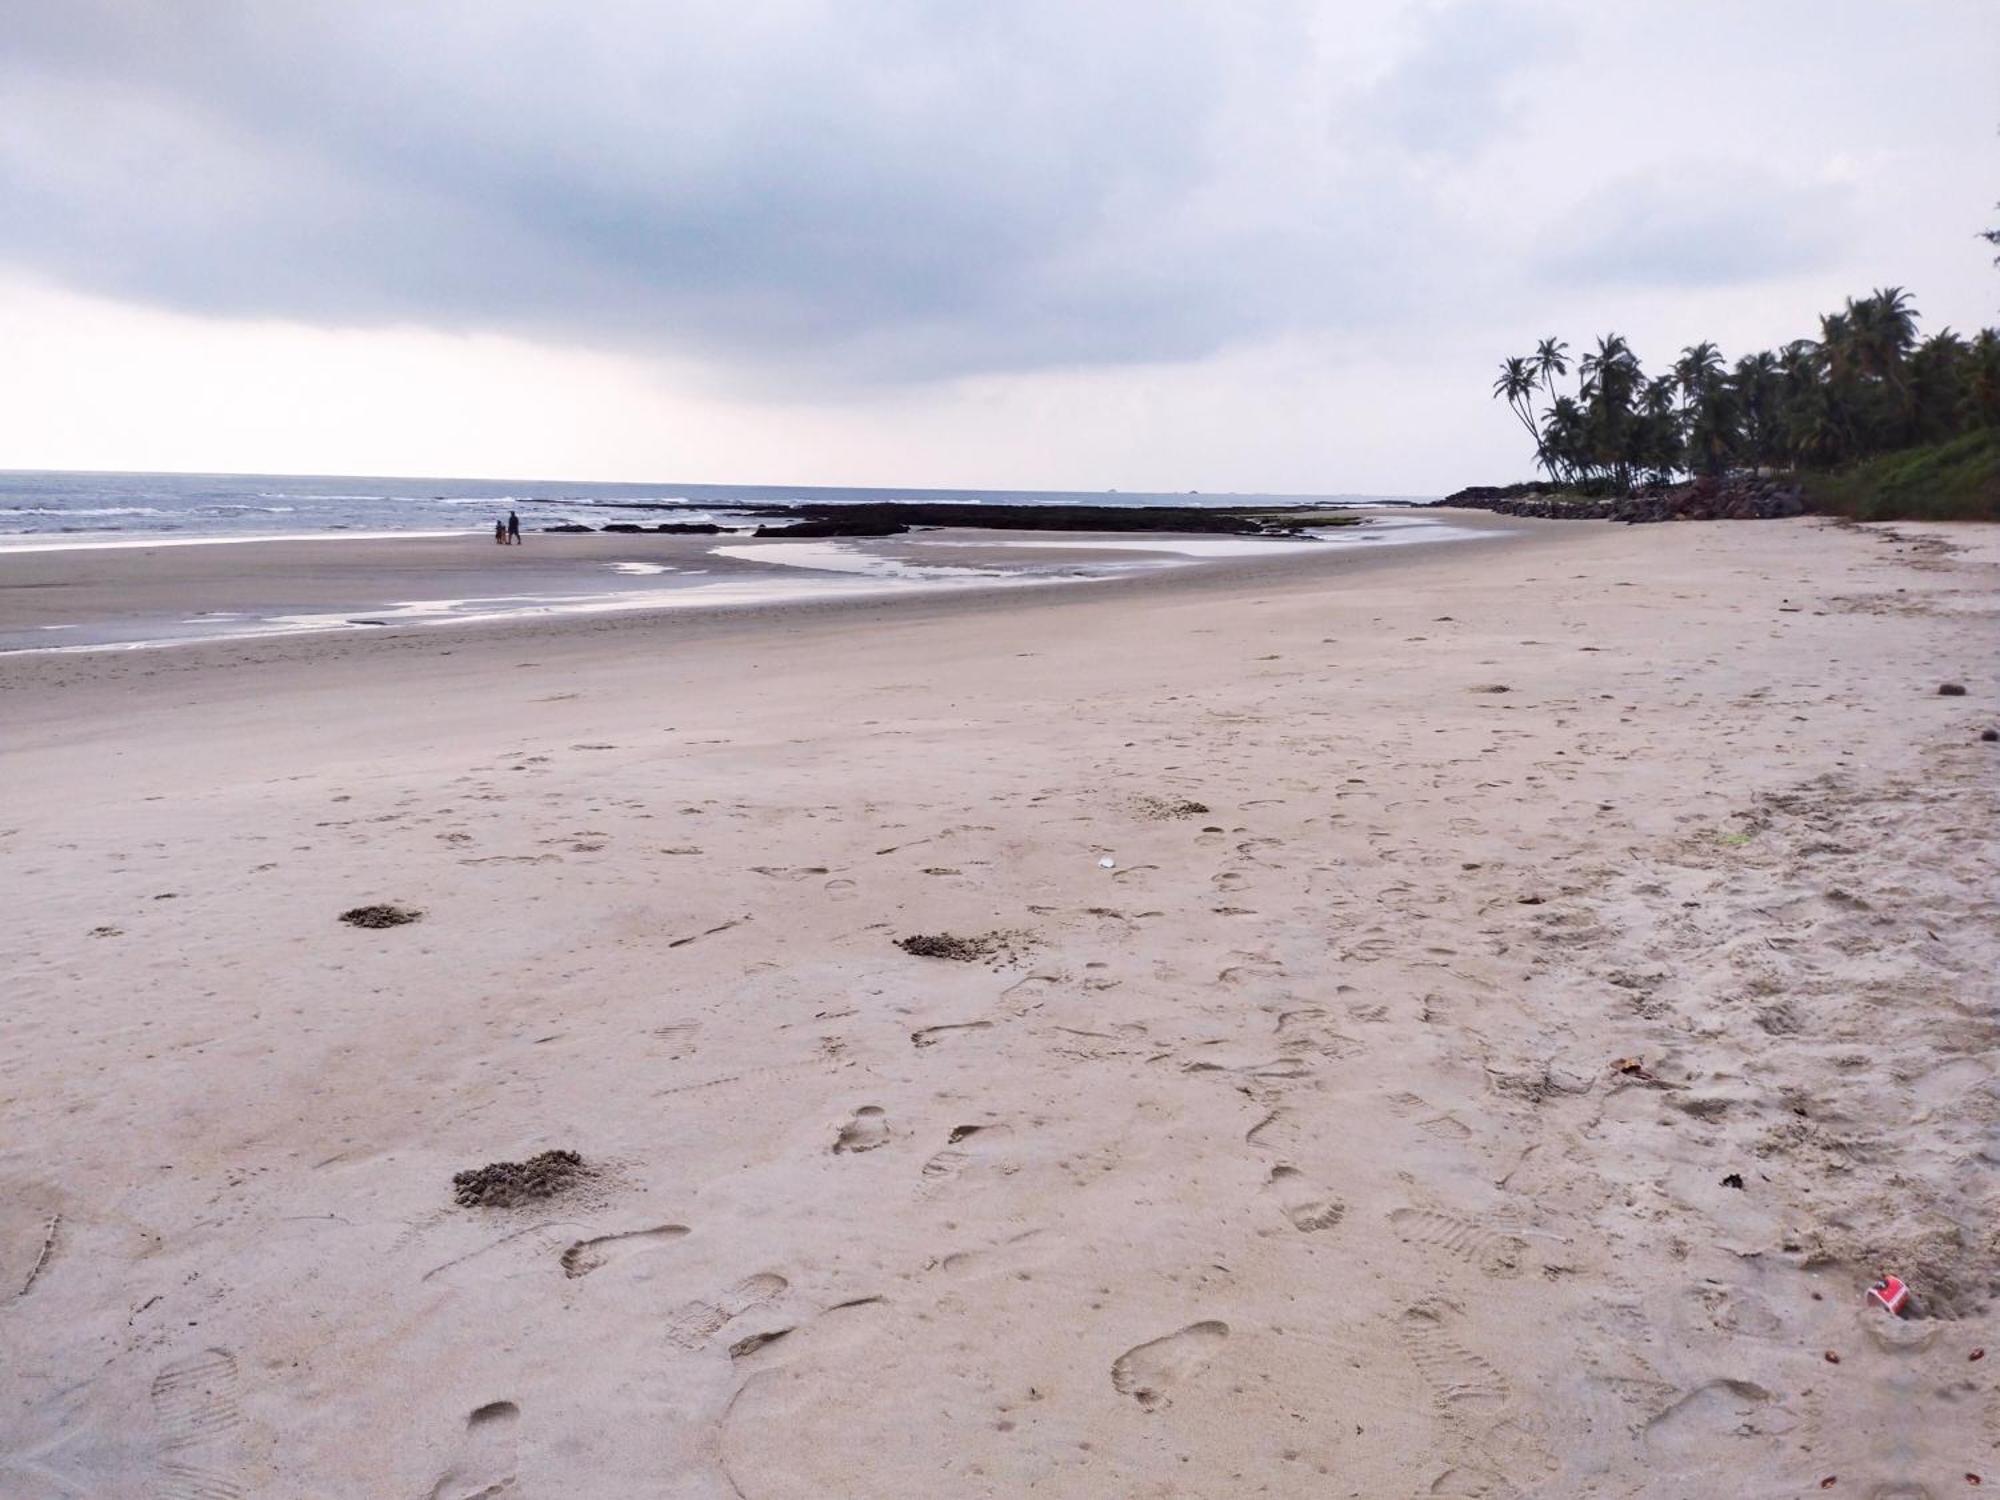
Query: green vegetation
x=1954 y=481
x=1828 y=408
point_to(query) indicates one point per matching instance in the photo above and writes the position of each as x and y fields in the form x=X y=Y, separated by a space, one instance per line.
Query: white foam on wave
x=85 y=541
x=83 y=510
x=842 y=557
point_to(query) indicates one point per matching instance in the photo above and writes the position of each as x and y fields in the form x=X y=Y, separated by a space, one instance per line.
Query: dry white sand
x=1286 y=1156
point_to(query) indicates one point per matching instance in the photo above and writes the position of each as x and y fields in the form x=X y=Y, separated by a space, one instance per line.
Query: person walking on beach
x=500 y=533
x=513 y=528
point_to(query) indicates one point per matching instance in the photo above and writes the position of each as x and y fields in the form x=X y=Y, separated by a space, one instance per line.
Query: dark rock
x=835 y=526
x=507 y=1184
x=903 y=514
x=1732 y=498
x=1989 y=735
x=1735 y=1180
x=380 y=916
x=688 y=528
x=1951 y=690
x=566 y=526
x=626 y=528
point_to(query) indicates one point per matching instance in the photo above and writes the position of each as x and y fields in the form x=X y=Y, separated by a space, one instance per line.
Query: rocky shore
x=894 y=517
x=1736 y=498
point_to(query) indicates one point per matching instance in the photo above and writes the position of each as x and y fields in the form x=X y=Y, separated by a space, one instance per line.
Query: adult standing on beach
x=513 y=529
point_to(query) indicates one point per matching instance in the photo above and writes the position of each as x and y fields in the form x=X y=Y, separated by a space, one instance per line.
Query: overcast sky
x=1241 y=244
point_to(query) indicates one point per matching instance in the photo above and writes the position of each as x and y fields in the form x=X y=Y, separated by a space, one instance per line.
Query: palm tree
x=1517 y=385
x=1611 y=379
x=1865 y=385
x=1938 y=372
x=1551 y=360
x=1982 y=380
x=1563 y=437
x=1759 y=386
x=1699 y=367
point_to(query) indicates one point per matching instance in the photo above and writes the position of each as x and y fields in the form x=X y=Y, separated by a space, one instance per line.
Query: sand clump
x=959 y=948
x=509 y=1184
x=380 y=916
x=1166 y=809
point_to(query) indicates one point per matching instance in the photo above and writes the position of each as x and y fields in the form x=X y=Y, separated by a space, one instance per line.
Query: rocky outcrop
x=835 y=526
x=1734 y=498
x=907 y=513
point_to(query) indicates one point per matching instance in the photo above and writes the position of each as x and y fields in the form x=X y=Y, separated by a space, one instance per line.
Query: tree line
x=1866 y=385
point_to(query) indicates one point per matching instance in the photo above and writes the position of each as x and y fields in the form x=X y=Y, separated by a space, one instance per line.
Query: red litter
x=1891 y=1293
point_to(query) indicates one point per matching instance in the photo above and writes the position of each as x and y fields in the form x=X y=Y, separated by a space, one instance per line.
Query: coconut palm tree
x=1758 y=385
x=1699 y=367
x=1517 y=383
x=1938 y=372
x=1551 y=360
x=1612 y=381
x=1982 y=380
x=1865 y=385
x=1563 y=438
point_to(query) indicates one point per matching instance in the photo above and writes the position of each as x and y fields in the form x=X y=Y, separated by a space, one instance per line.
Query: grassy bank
x=1954 y=481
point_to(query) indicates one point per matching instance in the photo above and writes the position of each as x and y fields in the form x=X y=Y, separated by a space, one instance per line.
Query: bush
x=1954 y=481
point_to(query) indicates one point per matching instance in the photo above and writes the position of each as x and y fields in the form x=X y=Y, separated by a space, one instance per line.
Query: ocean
x=57 y=508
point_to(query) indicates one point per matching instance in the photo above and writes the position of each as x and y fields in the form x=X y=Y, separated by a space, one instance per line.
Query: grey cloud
x=1699 y=224
x=897 y=190
x=1453 y=88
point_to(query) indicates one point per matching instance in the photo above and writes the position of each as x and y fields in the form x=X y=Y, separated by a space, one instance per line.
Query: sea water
x=54 y=508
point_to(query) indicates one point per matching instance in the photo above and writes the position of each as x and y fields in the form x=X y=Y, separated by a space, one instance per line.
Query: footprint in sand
x=195 y=1402
x=1699 y=1422
x=484 y=1468
x=965 y=1145
x=868 y=1129
x=1016 y=1257
x=1461 y=1380
x=1431 y=1122
x=1149 y=1372
x=693 y=1324
x=585 y=1256
x=1302 y=1203
x=1492 y=1250
x=930 y=1036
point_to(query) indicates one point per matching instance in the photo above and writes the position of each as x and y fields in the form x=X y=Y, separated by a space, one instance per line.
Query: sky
x=1262 y=245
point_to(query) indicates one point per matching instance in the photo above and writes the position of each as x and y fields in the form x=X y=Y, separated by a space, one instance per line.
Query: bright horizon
x=1050 y=248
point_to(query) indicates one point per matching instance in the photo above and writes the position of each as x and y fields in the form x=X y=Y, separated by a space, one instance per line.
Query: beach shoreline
x=137 y=594
x=1384 y=967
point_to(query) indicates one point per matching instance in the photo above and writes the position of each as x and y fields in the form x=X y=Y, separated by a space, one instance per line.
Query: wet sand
x=1476 y=919
x=90 y=594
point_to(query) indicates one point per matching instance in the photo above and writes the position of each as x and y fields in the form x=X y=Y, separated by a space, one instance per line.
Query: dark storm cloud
x=899 y=189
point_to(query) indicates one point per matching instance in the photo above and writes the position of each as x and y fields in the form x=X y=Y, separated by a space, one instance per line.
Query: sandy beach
x=1464 y=1020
